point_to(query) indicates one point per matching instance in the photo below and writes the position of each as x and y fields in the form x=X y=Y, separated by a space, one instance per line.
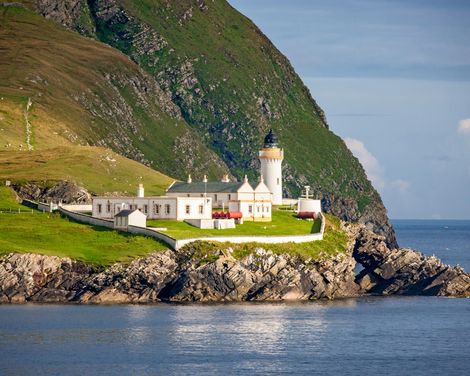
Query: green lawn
x=283 y=223
x=8 y=199
x=54 y=235
x=51 y=234
x=334 y=242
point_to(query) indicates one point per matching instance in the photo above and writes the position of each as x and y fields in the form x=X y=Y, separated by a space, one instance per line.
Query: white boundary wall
x=177 y=244
x=84 y=218
x=259 y=239
x=78 y=207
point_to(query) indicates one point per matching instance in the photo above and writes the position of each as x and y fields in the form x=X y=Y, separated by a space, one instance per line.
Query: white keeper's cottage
x=154 y=207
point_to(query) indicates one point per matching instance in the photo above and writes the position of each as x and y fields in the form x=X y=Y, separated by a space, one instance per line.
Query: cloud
x=374 y=170
x=464 y=127
x=400 y=185
x=372 y=166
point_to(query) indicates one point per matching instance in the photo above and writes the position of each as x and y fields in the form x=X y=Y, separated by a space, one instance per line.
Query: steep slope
x=58 y=88
x=230 y=84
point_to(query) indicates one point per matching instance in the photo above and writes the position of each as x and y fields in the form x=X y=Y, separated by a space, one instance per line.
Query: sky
x=393 y=77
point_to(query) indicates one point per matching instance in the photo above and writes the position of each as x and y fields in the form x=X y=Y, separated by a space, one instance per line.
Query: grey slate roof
x=209 y=187
x=125 y=213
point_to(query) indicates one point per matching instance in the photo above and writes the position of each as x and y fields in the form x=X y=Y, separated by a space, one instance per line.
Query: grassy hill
x=98 y=169
x=82 y=92
x=181 y=86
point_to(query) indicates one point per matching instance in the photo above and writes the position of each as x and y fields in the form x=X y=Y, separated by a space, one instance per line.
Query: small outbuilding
x=126 y=218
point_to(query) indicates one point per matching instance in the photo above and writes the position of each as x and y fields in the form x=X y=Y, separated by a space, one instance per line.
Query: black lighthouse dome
x=271 y=140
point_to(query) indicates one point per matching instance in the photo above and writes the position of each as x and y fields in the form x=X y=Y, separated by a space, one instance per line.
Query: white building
x=271 y=157
x=126 y=218
x=158 y=207
x=254 y=203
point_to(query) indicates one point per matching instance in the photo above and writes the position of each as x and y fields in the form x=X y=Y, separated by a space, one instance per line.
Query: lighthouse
x=271 y=157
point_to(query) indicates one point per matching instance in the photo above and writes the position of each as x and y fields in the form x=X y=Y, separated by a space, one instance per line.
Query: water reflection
x=246 y=328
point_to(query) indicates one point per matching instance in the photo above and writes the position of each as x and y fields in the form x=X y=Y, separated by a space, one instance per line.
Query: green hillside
x=197 y=91
x=85 y=93
x=99 y=170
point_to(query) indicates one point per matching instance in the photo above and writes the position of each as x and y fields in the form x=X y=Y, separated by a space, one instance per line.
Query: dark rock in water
x=405 y=271
x=65 y=191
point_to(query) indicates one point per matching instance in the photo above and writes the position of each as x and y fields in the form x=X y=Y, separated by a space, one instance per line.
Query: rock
x=33 y=277
x=404 y=271
x=65 y=191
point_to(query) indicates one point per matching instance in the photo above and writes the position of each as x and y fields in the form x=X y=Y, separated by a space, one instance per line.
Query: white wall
x=78 y=207
x=309 y=205
x=177 y=244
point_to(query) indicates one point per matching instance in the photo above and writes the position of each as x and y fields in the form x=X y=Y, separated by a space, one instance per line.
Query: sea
x=365 y=336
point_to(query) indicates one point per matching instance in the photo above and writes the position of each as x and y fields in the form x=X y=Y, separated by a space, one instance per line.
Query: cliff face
x=261 y=276
x=230 y=85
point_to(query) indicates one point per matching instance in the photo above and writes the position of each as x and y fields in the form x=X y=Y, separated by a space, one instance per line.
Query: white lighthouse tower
x=271 y=157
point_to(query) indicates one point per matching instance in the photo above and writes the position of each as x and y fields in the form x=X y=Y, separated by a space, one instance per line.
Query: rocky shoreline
x=261 y=276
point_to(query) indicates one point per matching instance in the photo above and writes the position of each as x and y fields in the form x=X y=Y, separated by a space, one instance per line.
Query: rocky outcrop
x=176 y=277
x=404 y=271
x=38 y=278
x=262 y=276
x=189 y=276
x=65 y=191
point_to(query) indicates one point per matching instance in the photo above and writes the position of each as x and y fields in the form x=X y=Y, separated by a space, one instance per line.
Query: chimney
x=261 y=178
x=225 y=179
x=190 y=180
x=205 y=179
x=140 y=191
x=245 y=180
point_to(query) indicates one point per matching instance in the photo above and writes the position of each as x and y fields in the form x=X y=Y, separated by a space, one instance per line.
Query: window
x=145 y=209
x=259 y=209
x=156 y=208
x=267 y=209
x=188 y=195
x=188 y=209
x=201 y=209
x=278 y=181
x=108 y=207
x=215 y=198
x=202 y=194
x=167 y=209
x=229 y=196
x=99 y=208
x=250 y=208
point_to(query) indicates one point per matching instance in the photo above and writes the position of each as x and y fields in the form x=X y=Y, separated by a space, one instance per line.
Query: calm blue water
x=448 y=240
x=380 y=336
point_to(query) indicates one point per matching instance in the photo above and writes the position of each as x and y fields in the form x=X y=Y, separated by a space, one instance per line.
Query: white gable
x=262 y=188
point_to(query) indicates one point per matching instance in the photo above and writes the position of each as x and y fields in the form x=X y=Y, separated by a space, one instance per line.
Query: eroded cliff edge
x=261 y=276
